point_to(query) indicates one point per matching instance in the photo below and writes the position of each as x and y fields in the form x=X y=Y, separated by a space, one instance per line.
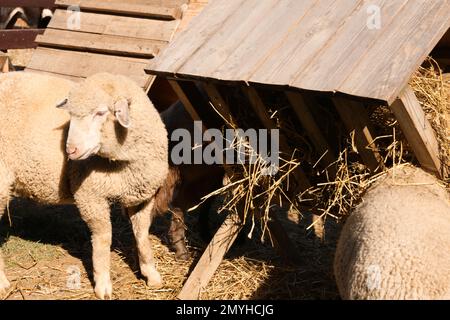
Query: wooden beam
x=125 y=8
x=219 y=103
x=282 y=243
x=418 y=131
x=356 y=120
x=116 y=25
x=301 y=106
x=185 y=100
x=85 y=64
x=19 y=38
x=28 y=3
x=227 y=233
x=211 y=258
x=224 y=237
x=260 y=109
x=303 y=183
x=100 y=43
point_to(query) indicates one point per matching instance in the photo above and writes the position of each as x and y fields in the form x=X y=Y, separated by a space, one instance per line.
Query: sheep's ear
x=62 y=104
x=122 y=112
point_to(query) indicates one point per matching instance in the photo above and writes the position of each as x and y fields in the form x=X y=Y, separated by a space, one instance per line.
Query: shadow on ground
x=45 y=244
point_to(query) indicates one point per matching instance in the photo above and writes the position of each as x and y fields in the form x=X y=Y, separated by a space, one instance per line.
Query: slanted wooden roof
x=320 y=45
x=114 y=36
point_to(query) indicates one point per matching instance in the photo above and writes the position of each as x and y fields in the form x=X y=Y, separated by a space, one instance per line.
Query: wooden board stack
x=89 y=36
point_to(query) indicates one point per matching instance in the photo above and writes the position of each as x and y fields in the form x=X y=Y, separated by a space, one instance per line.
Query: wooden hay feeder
x=353 y=54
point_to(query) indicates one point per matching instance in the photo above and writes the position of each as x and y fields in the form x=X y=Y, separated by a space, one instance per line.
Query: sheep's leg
x=4 y=283
x=4 y=199
x=319 y=227
x=177 y=234
x=141 y=218
x=97 y=217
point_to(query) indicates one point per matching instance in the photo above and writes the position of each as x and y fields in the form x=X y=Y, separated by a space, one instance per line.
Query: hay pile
x=336 y=197
x=432 y=88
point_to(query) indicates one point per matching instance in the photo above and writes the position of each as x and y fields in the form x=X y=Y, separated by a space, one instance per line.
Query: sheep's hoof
x=103 y=289
x=4 y=283
x=183 y=256
x=153 y=277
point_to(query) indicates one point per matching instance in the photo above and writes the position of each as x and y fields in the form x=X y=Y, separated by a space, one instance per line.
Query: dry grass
x=433 y=92
x=45 y=243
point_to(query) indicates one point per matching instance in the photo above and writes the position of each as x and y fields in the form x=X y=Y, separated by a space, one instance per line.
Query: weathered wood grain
x=356 y=120
x=93 y=42
x=418 y=131
x=117 y=25
x=320 y=45
x=136 y=9
x=83 y=64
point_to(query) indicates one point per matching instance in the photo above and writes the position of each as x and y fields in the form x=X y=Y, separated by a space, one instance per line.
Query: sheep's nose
x=71 y=149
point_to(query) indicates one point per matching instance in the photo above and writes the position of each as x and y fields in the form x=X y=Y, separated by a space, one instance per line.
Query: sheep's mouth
x=86 y=154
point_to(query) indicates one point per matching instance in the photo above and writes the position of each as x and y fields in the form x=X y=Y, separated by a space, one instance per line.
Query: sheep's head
x=94 y=113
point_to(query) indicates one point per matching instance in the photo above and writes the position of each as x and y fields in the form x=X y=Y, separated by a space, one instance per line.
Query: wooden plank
x=135 y=9
x=301 y=108
x=203 y=26
x=211 y=258
x=185 y=100
x=333 y=64
x=92 y=42
x=388 y=64
x=117 y=26
x=193 y=10
x=356 y=120
x=19 y=39
x=28 y=3
x=84 y=64
x=216 y=49
x=303 y=42
x=64 y=76
x=418 y=131
x=262 y=41
x=299 y=176
x=219 y=103
x=260 y=109
x=155 y=3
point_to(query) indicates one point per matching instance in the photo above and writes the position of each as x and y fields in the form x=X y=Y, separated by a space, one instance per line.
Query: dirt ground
x=46 y=248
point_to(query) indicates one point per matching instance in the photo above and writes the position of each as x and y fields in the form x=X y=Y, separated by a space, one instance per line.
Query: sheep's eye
x=100 y=113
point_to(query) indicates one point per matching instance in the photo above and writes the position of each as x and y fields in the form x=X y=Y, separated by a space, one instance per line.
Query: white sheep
x=118 y=140
x=396 y=243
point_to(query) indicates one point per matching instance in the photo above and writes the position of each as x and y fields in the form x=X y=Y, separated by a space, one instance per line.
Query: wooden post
x=185 y=100
x=261 y=111
x=282 y=243
x=222 y=240
x=301 y=109
x=356 y=120
x=211 y=258
x=303 y=182
x=418 y=131
x=219 y=103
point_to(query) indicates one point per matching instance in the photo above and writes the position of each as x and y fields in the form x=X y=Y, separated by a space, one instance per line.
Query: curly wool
x=396 y=243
